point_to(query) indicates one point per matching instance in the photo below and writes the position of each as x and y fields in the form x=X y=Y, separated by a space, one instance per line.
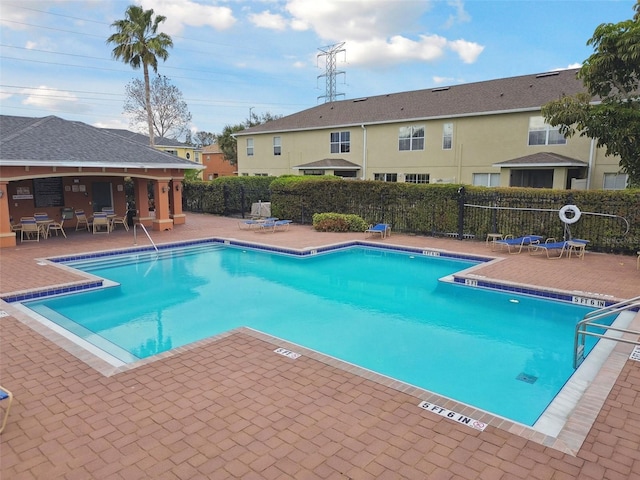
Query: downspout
x=591 y=155
x=364 y=152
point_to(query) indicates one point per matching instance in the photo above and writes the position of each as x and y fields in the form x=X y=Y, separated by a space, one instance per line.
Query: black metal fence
x=611 y=222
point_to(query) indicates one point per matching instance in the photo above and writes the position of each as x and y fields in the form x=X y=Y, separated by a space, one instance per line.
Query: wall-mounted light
x=164 y=189
x=1 y=193
x=177 y=188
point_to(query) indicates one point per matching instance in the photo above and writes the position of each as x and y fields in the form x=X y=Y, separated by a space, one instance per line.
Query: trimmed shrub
x=338 y=222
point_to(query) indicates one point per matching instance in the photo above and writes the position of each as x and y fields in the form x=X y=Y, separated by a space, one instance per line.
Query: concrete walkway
x=229 y=407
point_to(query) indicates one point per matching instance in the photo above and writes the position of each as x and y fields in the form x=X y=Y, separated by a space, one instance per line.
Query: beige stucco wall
x=478 y=143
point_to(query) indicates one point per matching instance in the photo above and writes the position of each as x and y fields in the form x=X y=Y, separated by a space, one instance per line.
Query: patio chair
x=564 y=247
x=252 y=223
x=384 y=229
x=29 y=230
x=5 y=395
x=43 y=221
x=273 y=226
x=57 y=227
x=518 y=243
x=119 y=220
x=100 y=223
x=82 y=220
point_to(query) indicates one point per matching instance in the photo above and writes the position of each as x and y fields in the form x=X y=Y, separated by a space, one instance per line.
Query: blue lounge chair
x=273 y=226
x=5 y=395
x=255 y=223
x=518 y=243
x=383 y=229
x=550 y=245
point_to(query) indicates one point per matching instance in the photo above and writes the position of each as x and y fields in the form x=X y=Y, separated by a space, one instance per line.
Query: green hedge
x=338 y=222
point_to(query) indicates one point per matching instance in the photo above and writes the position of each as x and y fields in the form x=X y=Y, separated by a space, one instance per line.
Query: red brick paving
x=231 y=408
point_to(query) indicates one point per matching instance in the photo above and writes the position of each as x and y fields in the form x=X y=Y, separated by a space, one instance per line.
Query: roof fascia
x=153 y=166
x=389 y=122
x=532 y=165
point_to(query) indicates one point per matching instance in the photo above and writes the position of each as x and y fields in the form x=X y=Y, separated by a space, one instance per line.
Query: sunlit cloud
x=186 y=13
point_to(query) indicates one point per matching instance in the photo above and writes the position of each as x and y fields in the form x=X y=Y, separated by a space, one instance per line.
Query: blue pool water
x=382 y=310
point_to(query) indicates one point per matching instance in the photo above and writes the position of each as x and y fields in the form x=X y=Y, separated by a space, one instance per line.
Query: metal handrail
x=135 y=236
x=588 y=321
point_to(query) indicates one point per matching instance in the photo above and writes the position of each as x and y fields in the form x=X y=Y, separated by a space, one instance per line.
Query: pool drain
x=525 y=377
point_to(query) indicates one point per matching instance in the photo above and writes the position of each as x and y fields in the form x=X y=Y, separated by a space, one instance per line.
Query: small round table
x=577 y=248
x=493 y=237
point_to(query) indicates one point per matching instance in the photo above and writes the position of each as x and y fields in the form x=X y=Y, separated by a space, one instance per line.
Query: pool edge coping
x=569 y=440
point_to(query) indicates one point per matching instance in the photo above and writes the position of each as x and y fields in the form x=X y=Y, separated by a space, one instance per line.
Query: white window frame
x=277 y=145
x=615 y=181
x=541 y=133
x=416 y=178
x=386 y=177
x=249 y=147
x=447 y=136
x=340 y=142
x=486 y=179
x=411 y=138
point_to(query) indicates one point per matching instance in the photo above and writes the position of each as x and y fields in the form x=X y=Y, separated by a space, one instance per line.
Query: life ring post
x=573 y=210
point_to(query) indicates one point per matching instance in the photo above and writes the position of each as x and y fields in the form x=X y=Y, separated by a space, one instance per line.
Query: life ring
x=569 y=208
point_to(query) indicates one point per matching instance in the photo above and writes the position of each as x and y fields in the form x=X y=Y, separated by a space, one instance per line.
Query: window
x=386 y=177
x=614 y=181
x=260 y=174
x=486 y=179
x=277 y=146
x=313 y=172
x=249 y=147
x=172 y=152
x=416 y=178
x=447 y=136
x=541 y=133
x=411 y=138
x=340 y=142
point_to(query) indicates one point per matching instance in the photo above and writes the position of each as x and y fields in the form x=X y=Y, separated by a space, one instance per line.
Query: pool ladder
x=135 y=235
x=589 y=319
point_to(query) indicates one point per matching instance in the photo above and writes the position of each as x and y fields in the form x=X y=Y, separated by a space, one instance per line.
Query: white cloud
x=381 y=33
x=266 y=19
x=51 y=99
x=467 y=51
x=186 y=13
x=120 y=124
x=460 y=16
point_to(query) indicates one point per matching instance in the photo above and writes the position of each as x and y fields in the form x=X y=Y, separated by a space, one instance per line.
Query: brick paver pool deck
x=229 y=407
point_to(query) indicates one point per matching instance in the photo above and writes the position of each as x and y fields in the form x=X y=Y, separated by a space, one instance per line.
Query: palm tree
x=136 y=43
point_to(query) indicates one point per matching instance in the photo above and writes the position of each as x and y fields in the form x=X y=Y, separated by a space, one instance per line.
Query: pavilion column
x=161 y=192
x=142 y=201
x=179 y=218
x=7 y=237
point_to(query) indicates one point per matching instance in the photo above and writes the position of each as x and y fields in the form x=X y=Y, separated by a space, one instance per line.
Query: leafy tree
x=170 y=114
x=227 y=142
x=138 y=43
x=612 y=75
x=204 y=138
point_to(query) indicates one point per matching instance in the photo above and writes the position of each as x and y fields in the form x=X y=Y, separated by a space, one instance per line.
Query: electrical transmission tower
x=331 y=73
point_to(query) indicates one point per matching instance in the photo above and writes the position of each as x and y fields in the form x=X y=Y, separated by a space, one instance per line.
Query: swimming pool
x=384 y=310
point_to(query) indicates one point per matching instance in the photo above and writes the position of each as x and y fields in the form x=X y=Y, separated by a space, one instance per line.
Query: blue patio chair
x=274 y=226
x=255 y=223
x=5 y=395
x=564 y=247
x=384 y=229
x=518 y=243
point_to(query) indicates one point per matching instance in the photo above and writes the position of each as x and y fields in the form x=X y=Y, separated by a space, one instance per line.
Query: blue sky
x=232 y=57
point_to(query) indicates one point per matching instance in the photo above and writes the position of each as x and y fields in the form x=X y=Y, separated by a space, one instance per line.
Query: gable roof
x=523 y=93
x=144 y=139
x=329 y=164
x=542 y=159
x=53 y=141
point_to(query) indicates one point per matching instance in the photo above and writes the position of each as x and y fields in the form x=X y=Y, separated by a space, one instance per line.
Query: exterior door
x=101 y=195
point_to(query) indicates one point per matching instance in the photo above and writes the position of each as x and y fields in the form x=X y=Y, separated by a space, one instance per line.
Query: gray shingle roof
x=523 y=93
x=542 y=159
x=144 y=139
x=330 y=164
x=58 y=142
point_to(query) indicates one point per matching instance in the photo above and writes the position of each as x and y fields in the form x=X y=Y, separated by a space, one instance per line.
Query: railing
x=588 y=321
x=135 y=235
